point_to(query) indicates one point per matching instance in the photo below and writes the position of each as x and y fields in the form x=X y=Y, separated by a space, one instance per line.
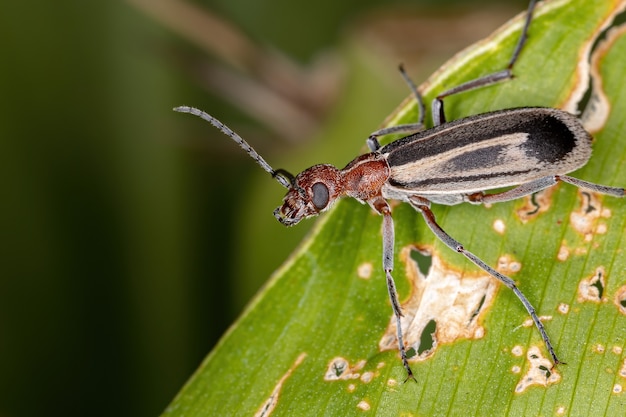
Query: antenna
x=282 y=176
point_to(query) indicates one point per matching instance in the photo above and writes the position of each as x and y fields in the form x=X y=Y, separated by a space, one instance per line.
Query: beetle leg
x=514 y=193
x=602 y=189
x=372 y=141
x=382 y=207
x=420 y=205
x=438 y=114
x=542 y=184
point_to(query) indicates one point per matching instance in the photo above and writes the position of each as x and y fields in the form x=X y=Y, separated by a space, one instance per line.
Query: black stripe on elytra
x=481 y=158
x=459 y=179
x=548 y=138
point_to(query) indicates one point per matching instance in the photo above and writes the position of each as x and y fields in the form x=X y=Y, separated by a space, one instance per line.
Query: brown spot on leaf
x=585 y=219
x=339 y=369
x=598 y=348
x=507 y=265
x=540 y=372
x=563 y=253
x=499 y=226
x=592 y=288
x=530 y=323
x=445 y=305
x=269 y=405
x=363 y=405
x=620 y=299
x=597 y=111
x=535 y=204
x=364 y=271
x=622 y=370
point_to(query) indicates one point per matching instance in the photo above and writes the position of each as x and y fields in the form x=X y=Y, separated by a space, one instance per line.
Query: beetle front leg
x=381 y=206
x=421 y=205
x=409 y=128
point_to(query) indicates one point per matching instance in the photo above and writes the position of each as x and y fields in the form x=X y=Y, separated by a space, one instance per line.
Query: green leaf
x=309 y=342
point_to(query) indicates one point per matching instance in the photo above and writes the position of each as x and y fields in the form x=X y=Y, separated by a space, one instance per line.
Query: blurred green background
x=132 y=236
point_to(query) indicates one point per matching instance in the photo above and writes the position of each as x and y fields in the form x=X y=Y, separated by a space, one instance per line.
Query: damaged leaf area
x=472 y=352
x=620 y=299
x=339 y=369
x=540 y=372
x=535 y=204
x=585 y=220
x=592 y=288
x=445 y=305
x=268 y=405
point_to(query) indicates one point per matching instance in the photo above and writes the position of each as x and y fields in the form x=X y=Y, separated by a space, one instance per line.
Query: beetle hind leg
x=539 y=185
x=598 y=188
x=421 y=205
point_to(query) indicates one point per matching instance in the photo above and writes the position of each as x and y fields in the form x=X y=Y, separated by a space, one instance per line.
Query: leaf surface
x=308 y=344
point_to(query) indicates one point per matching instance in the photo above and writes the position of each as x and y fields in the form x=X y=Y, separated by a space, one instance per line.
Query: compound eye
x=320 y=195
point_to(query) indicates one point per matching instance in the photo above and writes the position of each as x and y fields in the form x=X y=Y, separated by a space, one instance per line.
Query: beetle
x=528 y=149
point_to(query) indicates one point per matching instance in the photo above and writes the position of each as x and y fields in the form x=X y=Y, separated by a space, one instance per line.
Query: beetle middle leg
x=438 y=113
x=423 y=207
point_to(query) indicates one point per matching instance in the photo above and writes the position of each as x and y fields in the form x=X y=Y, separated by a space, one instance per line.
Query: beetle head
x=311 y=192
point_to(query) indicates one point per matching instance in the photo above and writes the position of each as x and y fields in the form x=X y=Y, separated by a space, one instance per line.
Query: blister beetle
x=529 y=149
